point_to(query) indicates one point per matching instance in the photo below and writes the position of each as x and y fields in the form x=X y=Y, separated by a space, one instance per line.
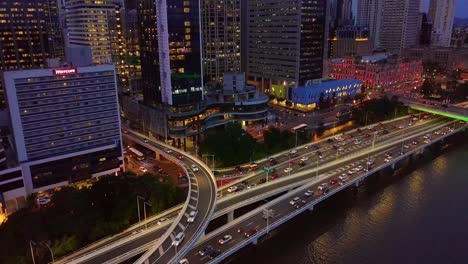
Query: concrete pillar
x=185 y=144
x=393 y=166
x=311 y=208
x=255 y=241
x=357 y=184
x=157 y=156
x=230 y=216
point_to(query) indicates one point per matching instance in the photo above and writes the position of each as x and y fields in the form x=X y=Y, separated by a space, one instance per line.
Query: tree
x=320 y=129
x=427 y=88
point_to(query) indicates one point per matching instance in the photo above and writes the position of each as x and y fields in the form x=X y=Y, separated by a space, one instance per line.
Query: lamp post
x=32 y=251
x=316 y=169
x=297 y=132
x=138 y=206
x=50 y=250
x=213 y=160
x=144 y=210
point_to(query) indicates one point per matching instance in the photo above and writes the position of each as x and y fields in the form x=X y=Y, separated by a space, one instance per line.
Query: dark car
x=262 y=180
x=301 y=163
x=251 y=232
x=207 y=250
x=214 y=253
x=273 y=161
x=300 y=204
x=330 y=140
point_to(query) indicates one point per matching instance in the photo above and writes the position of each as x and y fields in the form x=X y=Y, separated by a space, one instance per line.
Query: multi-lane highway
x=226 y=240
x=159 y=241
x=335 y=157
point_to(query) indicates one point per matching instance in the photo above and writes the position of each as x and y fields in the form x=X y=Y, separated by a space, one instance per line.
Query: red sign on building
x=65 y=71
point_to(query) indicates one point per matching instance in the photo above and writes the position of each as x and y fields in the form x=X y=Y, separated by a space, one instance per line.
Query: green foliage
x=231 y=146
x=77 y=217
x=377 y=110
x=65 y=245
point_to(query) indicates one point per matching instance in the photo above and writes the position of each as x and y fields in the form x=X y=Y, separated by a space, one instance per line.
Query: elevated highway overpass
x=332 y=162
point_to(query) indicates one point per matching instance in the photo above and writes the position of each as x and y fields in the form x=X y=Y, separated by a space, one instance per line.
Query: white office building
x=65 y=124
x=442 y=14
x=87 y=25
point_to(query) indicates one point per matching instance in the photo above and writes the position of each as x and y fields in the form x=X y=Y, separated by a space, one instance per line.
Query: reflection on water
x=415 y=217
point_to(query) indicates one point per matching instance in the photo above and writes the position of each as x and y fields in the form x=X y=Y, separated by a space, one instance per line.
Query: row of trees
x=233 y=146
x=377 y=110
x=77 y=217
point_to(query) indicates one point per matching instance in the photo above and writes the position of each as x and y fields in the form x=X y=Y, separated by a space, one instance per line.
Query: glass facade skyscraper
x=170 y=52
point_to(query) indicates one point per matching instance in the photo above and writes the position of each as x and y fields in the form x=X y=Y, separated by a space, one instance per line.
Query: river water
x=418 y=215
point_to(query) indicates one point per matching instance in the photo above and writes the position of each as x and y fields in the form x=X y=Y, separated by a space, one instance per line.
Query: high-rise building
x=29 y=34
x=426 y=30
x=221 y=24
x=65 y=125
x=87 y=25
x=170 y=52
x=132 y=39
x=118 y=45
x=370 y=16
x=285 y=42
x=442 y=14
x=344 y=13
x=350 y=40
x=400 y=25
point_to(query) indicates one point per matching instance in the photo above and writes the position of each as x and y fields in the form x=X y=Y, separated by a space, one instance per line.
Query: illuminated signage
x=65 y=71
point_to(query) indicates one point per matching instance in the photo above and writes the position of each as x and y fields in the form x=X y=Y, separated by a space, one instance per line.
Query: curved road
x=201 y=200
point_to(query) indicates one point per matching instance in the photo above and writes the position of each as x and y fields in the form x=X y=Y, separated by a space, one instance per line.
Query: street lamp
x=316 y=169
x=213 y=161
x=32 y=251
x=297 y=132
x=138 y=206
x=144 y=210
x=50 y=250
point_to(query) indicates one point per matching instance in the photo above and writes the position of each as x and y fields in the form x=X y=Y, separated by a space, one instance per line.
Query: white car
x=406 y=146
x=350 y=172
x=309 y=193
x=323 y=186
x=388 y=159
x=343 y=177
x=304 y=158
x=162 y=220
x=359 y=168
x=194 y=167
x=321 y=156
x=292 y=152
x=225 y=239
x=357 y=142
x=192 y=216
x=370 y=162
x=143 y=169
x=178 y=238
x=167 y=150
x=146 y=140
x=427 y=141
x=183 y=261
x=288 y=170
x=295 y=200
x=232 y=189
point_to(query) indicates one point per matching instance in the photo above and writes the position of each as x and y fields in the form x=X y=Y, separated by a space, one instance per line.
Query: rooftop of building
x=322 y=85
